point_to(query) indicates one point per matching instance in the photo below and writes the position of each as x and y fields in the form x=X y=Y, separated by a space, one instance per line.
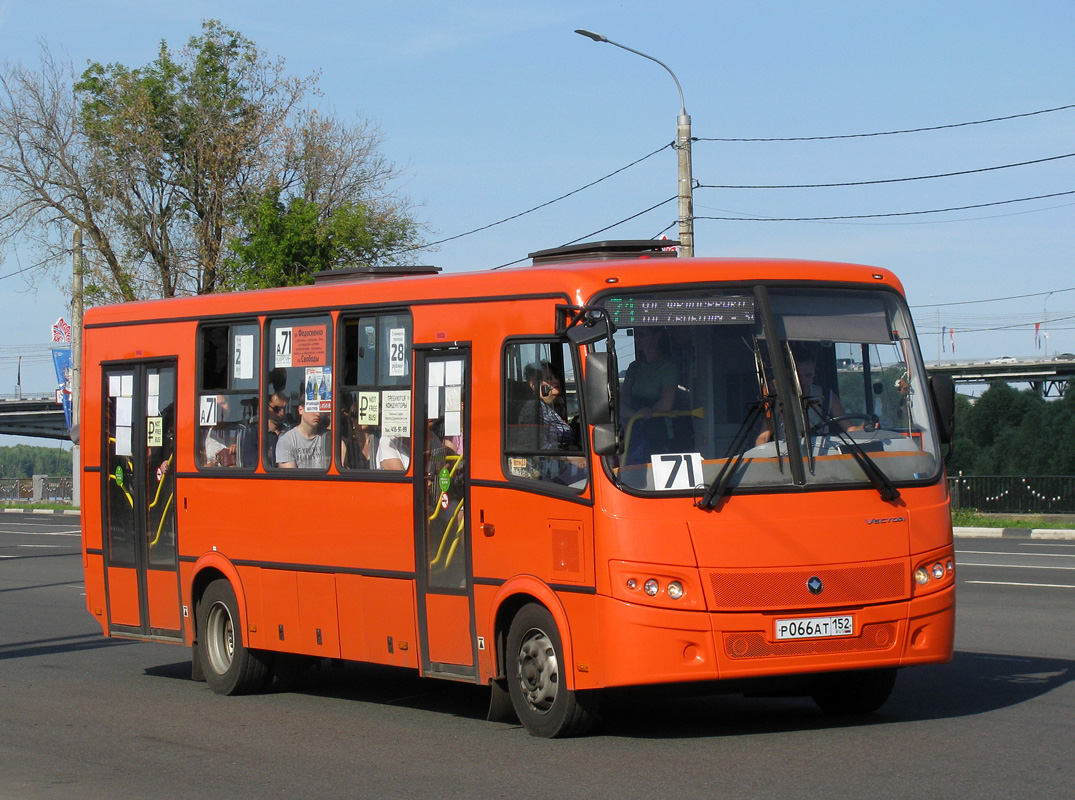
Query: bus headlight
x=938 y=570
x=651 y=587
x=921 y=576
x=675 y=590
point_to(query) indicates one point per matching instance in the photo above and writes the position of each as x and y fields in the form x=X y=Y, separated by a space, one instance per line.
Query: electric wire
x=883 y=180
x=887 y=133
x=601 y=230
x=535 y=208
x=889 y=214
x=994 y=299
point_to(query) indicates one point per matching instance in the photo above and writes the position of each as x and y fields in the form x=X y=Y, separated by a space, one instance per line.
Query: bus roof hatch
x=607 y=251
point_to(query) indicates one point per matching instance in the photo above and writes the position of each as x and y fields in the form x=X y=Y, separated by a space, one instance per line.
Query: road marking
x=47 y=546
x=997 y=553
x=1014 y=566
x=1035 y=585
x=42 y=533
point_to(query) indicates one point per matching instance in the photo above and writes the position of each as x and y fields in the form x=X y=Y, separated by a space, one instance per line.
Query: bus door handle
x=486 y=527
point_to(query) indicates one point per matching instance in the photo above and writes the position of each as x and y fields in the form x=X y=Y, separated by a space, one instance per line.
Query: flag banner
x=61 y=360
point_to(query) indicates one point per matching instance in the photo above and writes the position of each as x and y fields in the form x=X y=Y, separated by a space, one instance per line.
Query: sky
x=491 y=109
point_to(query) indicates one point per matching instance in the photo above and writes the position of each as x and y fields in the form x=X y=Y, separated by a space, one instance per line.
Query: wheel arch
x=211 y=567
x=511 y=597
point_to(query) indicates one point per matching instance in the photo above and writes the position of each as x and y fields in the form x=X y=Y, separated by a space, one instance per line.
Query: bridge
x=1047 y=376
x=39 y=416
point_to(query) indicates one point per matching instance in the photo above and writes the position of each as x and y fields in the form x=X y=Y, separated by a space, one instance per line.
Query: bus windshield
x=768 y=386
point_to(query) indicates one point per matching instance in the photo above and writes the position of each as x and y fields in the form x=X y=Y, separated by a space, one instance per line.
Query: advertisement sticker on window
x=397 y=352
x=396 y=413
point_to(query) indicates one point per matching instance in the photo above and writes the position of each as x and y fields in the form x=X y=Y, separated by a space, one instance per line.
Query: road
x=86 y=717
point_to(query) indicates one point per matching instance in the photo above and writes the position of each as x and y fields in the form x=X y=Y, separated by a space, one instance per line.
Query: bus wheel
x=543 y=703
x=861 y=692
x=229 y=666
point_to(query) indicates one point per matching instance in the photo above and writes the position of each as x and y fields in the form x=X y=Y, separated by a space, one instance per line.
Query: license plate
x=815 y=627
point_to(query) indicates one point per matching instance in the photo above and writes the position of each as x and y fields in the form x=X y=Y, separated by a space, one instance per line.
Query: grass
x=44 y=506
x=970 y=518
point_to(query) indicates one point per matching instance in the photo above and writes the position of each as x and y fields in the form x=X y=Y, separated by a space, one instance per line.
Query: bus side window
x=374 y=369
x=301 y=377
x=227 y=404
x=542 y=438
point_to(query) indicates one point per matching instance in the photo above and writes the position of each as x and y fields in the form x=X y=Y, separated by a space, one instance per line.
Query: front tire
x=861 y=692
x=228 y=665
x=539 y=694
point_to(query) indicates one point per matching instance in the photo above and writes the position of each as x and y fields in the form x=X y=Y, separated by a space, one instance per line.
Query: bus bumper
x=658 y=645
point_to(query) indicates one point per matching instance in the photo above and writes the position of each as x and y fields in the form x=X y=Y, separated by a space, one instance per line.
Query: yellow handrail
x=698 y=412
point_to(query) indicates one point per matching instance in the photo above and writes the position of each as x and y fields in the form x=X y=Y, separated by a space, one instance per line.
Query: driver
x=818 y=413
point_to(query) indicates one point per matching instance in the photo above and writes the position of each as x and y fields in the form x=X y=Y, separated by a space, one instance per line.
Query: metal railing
x=1009 y=494
x=38 y=489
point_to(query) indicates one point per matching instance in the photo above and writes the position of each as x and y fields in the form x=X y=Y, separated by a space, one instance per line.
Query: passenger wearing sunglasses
x=277 y=419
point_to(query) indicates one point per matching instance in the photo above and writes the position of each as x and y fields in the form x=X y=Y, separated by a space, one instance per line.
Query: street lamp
x=683 y=148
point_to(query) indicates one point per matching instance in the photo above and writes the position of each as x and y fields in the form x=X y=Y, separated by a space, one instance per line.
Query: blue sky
x=492 y=108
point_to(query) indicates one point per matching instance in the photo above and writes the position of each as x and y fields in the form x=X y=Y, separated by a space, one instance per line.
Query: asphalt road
x=86 y=717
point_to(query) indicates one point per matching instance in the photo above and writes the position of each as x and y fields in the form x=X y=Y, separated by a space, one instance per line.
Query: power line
x=535 y=208
x=602 y=230
x=887 y=133
x=890 y=214
x=885 y=180
x=995 y=299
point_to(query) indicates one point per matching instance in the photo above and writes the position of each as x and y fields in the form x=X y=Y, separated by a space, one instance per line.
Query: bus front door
x=445 y=596
x=139 y=501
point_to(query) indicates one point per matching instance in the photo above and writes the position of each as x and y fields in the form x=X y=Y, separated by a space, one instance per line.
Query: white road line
x=42 y=533
x=1035 y=585
x=1013 y=566
x=46 y=546
x=998 y=553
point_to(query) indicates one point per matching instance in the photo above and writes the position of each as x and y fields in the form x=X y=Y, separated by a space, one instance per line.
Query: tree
x=162 y=164
x=285 y=243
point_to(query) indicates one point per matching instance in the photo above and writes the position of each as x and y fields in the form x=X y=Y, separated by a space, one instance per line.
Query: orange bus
x=610 y=468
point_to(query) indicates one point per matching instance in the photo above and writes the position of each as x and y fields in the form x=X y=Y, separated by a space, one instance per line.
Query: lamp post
x=683 y=148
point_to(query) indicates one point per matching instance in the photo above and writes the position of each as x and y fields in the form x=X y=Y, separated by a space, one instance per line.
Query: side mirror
x=596 y=390
x=588 y=332
x=943 y=389
x=604 y=439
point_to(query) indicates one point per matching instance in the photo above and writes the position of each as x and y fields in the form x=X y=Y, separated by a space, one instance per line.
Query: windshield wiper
x=720 y=482
x=881 y=482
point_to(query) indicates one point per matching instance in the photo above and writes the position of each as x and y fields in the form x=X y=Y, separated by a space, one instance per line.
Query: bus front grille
x=779 y=590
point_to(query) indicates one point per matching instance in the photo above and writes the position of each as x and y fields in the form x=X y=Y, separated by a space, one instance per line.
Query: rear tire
x=536 y=678
x=228 y=665
x=860 y=692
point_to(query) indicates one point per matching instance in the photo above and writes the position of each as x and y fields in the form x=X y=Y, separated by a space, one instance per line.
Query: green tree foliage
x=25 y=461
x=287 y=242
x=1008 y=432
x=164 y=165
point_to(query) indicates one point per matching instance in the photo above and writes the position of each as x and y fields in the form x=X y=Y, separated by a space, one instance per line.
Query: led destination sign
x=672 y=310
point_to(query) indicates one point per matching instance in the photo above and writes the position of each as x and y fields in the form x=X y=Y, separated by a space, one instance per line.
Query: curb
x=1015 y=533
x=56 y=511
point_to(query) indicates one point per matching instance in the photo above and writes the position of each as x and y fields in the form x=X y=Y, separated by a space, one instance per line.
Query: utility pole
x=76 y=371
x=683 y=149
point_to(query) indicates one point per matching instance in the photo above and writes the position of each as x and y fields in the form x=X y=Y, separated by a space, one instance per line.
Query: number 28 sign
x=676 y=471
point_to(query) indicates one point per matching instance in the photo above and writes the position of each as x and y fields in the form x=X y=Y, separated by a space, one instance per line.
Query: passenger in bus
x=393 y=453
x=276 y=419
x=649 y=388
x=306 y=446
x=828 y=404
x=221 y=445
x=543 y=417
